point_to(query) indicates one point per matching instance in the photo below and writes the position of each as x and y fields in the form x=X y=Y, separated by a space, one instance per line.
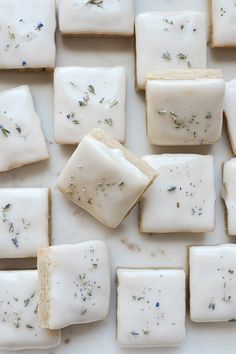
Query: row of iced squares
x=176 y=191
x=28 y=41
x=72 y=286
x=184 y=107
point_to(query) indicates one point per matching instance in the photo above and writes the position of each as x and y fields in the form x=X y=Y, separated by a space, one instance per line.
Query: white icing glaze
x=88 y=98
x=184 y=112
x=223 y=23
x=182 y=199
x=150 y=307
x=82 y=273
x=27 y=34
x=23 y=230
x=230 y=112
x=19 y=327
x=213 y=283
x=106 y=17
x=21 y=137
x=181 y=44
x=229 y=194
x=102 y=181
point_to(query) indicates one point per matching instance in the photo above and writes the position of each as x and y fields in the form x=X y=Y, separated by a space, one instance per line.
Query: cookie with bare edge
x=230 y=112
x=82 y=273
x=19 y=324
x=223 y=18
x=86 y=98
x=24 y=214
x=27 y=34
x=104 y=178
x=21 y=138
x=96 y=17
x=229 y=194
x=181 y=44
x=150 y=307
x=185 y=107
x=183 y=197
x=213 y=283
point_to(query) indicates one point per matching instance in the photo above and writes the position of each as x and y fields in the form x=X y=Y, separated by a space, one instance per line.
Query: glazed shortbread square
x=223 y=21
x=96 y=17
x=24 y=214
x=82 y=274
x=183 y=197
x=19 y=325
x=169 y=40
x=21 y=138
x=27 y=34
x=230 y=112
x=150 y=307
x=229 y=194
x=87 y=98
x=185 y=107
x=213 y=283
x=104 y=178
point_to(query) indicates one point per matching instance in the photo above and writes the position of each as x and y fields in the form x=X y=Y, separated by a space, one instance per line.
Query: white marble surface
x=128 y=247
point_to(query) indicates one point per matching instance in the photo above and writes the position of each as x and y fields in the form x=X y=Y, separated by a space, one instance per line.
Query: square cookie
x=27 y=34
x=183 y=197
x=150 y=307
x=230 y=112
x=213 y=283
x=229 y=194
x=96 y=17
x=21 y=138
x=23 y=230
x=86 y=98
x=19 y=326
x=82 y=272
x=185 y=107
x=223 y=23
x=104 y=178
x=181 y=44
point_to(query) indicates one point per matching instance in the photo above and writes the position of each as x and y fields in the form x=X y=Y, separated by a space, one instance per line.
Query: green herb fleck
x=166 y=56
x=98 y=3
x=5 y=131
x=171 y=189
x=109 y=121
x=114 y=103
x=91 y=89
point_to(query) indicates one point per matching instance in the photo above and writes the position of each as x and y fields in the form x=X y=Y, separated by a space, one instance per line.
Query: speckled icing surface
x=102 y=181
x=27 y=31
x=181 y=44
x=213 y=283
x=21 y=138
x=182 y=199
x=83 y=273
x=184 y=112
x=106 y=17
x=150 y=307
x=87 y=98
x=19 y=326
x=223 y=23
x=23 y=230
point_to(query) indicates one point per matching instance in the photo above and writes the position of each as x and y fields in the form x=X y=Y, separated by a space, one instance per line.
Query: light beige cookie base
x=101 y=136
x=44 y=265
x=191 y=74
